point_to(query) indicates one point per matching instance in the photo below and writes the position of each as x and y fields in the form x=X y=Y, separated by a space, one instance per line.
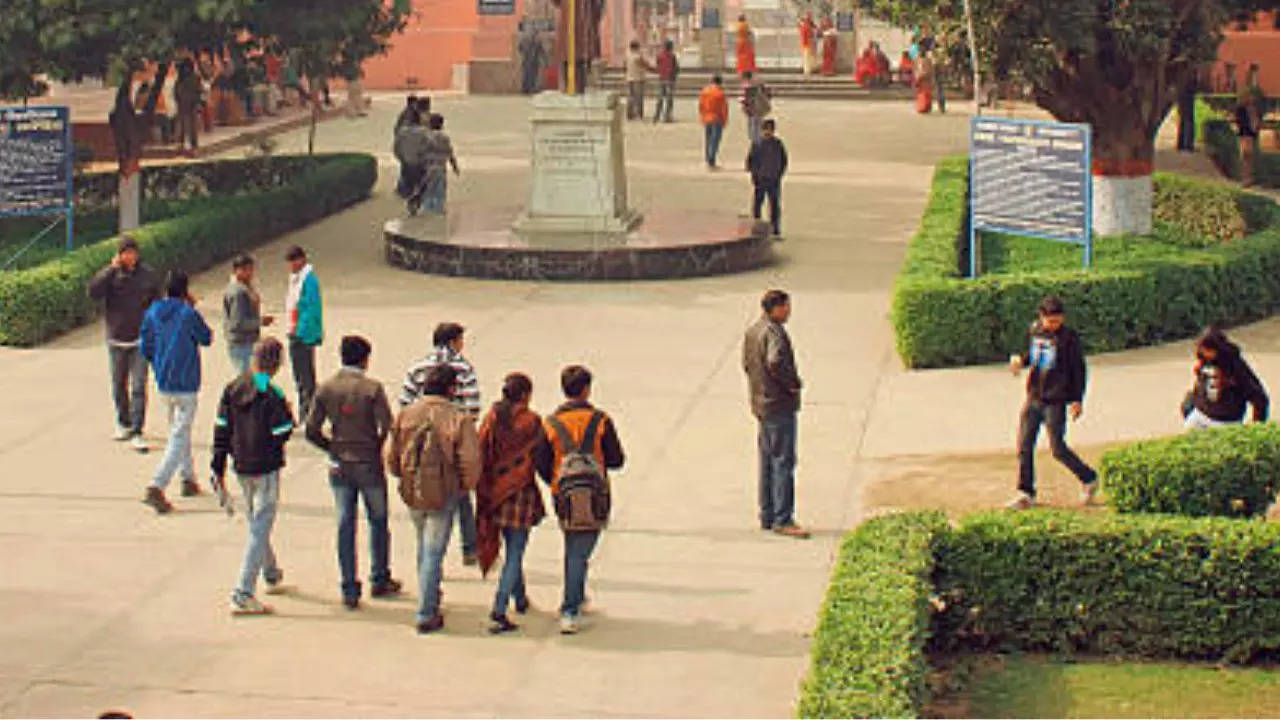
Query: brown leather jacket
x=358 y=414
x=458 y=434
x=770 y=365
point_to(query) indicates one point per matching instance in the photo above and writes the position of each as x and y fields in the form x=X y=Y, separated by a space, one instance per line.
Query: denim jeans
x=177 y=451
x=777 y=441
x=635 y=99
x=128 y=385
x=303 y=359
x=666 y=101
x=262 y=495
x=578 y=547
x=1054 y=417
x=511 y=582
x=713 y=132
x=753 y=128
x=467 y=523
x=350 y=482
x=771 y=190
x=241 y=355
x=433 y=529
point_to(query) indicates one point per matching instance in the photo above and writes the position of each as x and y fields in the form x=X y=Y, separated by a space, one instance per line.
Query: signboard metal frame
x=1084 y=238
x=68 y=209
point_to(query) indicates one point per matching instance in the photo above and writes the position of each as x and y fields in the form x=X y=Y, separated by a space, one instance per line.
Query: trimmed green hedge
x=1231 y=471
x=1223 y=147
x=40 y=302
x=868 y=651
x=1171 y=292
x=1156 y=586
x=1150 y=585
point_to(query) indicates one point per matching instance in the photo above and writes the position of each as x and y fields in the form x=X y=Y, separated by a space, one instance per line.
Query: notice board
x=36 y=156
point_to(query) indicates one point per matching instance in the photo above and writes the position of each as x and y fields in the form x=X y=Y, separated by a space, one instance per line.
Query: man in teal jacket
x=306 y=325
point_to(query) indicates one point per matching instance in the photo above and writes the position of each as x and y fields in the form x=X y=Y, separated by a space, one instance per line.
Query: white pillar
x=1121 y=205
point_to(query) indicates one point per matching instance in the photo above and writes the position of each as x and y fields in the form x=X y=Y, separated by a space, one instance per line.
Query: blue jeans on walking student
x=777 y=442
x=433 y=529
x=262 y=495
x=177 y=451
x=128 y=385
x=511 y=581
x=241 y=355
x=350 y=482
x=714 y=132
x=467 y=523
x=578 y=547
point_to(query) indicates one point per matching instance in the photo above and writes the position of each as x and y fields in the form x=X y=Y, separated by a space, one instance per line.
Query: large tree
x=1114 y=64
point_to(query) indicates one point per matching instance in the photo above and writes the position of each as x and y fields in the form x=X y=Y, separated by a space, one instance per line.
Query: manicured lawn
x=1013 y=254
x=1039 y=687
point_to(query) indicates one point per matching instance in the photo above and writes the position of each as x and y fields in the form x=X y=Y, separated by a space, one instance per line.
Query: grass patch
x=1028 y=686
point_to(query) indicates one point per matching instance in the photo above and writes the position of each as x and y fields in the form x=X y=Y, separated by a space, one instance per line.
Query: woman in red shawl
x=828 y=31
x=508 y=502
x=746 y=47
x=865 y=71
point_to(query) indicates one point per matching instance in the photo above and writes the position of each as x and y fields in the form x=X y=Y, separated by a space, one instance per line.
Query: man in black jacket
x=1055 y=389
x=253 y=424
x=767 y=163
x=126 y=287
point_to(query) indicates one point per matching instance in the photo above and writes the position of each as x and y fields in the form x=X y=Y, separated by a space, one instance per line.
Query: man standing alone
x=126 y=288
x=306 y=324
x=767 y=163
x=774 y=386
x=714 y=109
x=668 y=70
x=242 y=314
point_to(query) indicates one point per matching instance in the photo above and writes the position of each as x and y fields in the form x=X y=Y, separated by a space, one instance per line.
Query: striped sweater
x=466 y=390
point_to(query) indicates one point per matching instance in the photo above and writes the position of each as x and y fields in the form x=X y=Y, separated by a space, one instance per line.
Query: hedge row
x=942 y=319
x=1149 y=585
x=215 y=177
x=40 y=302
x=1229 y=471
x=1146 y=585
x=1218 y=134
x=869 y=649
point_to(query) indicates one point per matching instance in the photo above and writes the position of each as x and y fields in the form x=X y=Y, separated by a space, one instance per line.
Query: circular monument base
x=482 y=244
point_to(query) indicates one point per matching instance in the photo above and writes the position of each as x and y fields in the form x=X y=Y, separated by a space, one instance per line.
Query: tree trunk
x=130 y=129
x=1123 y=155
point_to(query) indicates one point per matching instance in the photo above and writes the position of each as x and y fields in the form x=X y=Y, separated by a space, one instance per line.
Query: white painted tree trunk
x=1121 y=205
x=130 y=201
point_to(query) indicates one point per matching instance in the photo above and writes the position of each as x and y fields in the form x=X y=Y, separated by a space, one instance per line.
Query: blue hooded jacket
x=172 y=333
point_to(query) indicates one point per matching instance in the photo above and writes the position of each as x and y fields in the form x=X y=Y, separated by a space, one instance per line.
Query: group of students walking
x=1223 y=387
x=425 y=153
x=432 y=445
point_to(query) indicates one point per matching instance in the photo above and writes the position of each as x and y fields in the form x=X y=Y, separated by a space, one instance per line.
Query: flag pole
x=571 y=69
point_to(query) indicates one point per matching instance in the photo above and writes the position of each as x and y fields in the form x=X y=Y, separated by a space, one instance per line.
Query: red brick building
x=1247 y=42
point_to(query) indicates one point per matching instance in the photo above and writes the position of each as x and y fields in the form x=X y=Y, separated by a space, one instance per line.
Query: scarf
x=502 y=476
x=295 y=294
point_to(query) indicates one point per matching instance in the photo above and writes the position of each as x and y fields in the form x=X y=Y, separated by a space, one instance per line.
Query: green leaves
x=1158 y=289
x=38 y=303
x=1230 y=471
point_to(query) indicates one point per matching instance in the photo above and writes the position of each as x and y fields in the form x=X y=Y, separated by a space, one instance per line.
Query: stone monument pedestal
x=578 y=185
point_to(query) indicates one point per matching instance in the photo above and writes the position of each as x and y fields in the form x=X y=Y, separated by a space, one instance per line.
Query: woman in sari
x=924 y=84
x=508 y=502
x=828 y=30
x=746 y=47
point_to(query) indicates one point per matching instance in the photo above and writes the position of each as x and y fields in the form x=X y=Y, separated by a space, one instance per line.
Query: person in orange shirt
x=714 y=109
x=746 y=47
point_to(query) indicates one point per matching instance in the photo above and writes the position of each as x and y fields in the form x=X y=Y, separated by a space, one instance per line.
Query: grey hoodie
x=242 y=314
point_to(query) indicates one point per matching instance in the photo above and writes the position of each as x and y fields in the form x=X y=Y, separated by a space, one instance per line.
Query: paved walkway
x=700 y=614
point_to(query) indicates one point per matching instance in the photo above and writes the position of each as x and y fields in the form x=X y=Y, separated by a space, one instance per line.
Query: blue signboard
x=710 y=18
x=1028 y=177
x=496 y=7
x=36 y=162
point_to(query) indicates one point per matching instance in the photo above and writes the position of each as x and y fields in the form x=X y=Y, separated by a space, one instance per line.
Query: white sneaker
x=140 y=444
x=122 y=433
x=569 y=625
x=1088 y=494
x=250 y=606
x=1022 y=502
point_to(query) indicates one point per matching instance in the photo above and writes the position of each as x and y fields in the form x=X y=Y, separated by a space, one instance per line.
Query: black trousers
x=771 y=189
x=1054 y=417
x=303 y=359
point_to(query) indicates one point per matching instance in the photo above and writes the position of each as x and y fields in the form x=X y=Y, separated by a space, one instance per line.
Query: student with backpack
x=434 y=451
x=579 y=448
x=252 y=426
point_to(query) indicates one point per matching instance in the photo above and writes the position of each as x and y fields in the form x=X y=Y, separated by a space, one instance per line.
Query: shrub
x=40 y=302
x=868 y=651
x=1162 y=293
x=1150 y=585
x=1229 y=471
x=1209 y=212
x=1223 y=146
